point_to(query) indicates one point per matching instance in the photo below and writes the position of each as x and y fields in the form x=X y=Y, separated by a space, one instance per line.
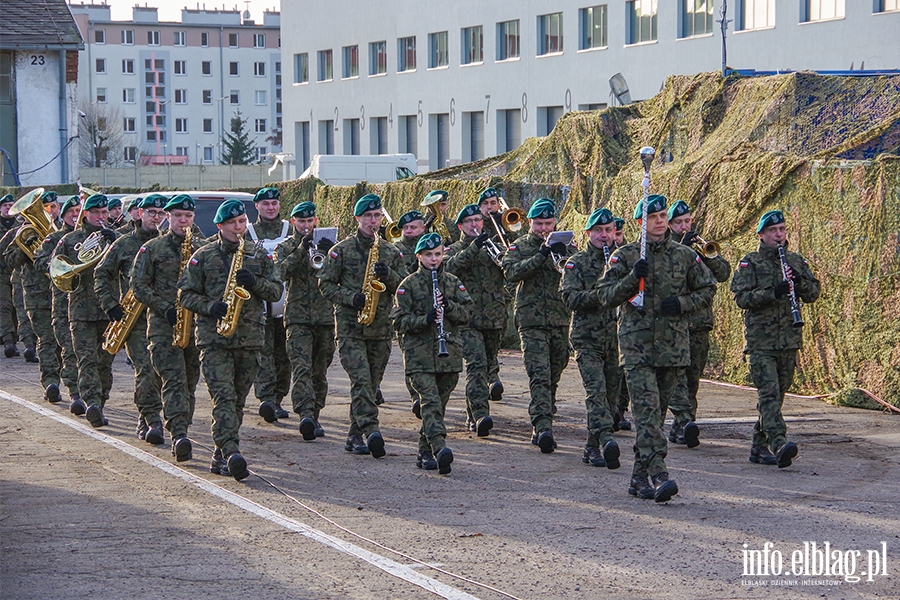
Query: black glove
x=481 y=240
x=116 y=313
x=431 y=317
x=218 y=309
x=641 y=269
x=109 y=234
x=558 y=248
x=324 y=245
x=172 y=316
x=545 y=250
x=359 y=301
x=782 y=288
x=689 y=238
x=381 y=270
x=245 y=278
x=671 y=307
x=307 y=241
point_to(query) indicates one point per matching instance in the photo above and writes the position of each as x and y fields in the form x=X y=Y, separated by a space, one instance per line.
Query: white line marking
x=385 y=564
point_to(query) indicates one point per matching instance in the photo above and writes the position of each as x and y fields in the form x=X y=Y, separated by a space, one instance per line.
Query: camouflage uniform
x=654 y=347
x=230 y=364
x=8 y=334
x=407 y=248
x=309 y=319
x=14 y=322
x=364 y=350
x=154 y=279
x=772 y=342
x=455 y=233
x=481 y=337
x=433 y=377
x=112 y=280
x=593 y=336
x=543 y=323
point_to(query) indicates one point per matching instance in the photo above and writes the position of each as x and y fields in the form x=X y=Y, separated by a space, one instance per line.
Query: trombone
x=511 y=220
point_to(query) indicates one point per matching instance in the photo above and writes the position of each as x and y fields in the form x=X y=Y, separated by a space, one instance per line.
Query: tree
x=238 y=149
x=100 y=135
x=275 y=137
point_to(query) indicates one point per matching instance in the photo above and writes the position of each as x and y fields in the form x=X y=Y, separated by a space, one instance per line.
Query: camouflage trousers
x=545 y=351
x=69 y=362
x=624 y=400
x=8 y=321
x=480 y=349
x=365 y=362
x=229 y=374
x=435 y=390
x=94 y=363
x=146 y=381
x=599 y=368
x=772 y=373
x=311 y=351
x=48 y=351
x=26 y=333
x=684 y=401
x=179 y=372
x=650 y=389
x=273 y=382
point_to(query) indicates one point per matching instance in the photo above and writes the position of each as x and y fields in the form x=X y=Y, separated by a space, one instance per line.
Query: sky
x=170 y=10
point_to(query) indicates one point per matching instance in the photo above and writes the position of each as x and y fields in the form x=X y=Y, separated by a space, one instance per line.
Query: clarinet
x=795 y=304
x=606 y=254
x=442 y=336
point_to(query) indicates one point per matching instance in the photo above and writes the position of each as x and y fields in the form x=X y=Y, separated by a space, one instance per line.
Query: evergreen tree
x=238 y=150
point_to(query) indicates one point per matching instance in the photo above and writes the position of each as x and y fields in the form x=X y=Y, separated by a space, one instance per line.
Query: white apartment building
x=173 y=87
x=453 y=82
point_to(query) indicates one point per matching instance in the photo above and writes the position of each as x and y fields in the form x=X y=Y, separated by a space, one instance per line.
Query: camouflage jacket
x=7 y=233
x=418 y=338
x=593 y=323
x=538 y=301
x=407 y=248
x=60 y=299
x=83 y=302
x=702 y=320
x=305 y=304
x=768 y=320
x=483 y=280
x=112 y=277
x=126 y=227
x=268 y=230
x=203 y=283
x=154 y=278
x=341 y=278
x=35 y=282
x=647 y=337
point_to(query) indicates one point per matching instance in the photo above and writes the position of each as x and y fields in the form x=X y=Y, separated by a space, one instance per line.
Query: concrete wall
x=188 y=177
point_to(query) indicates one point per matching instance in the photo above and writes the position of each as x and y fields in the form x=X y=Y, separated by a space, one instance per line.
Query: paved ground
x=81 y=518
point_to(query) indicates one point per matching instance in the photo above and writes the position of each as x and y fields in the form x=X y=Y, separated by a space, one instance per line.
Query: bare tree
x=275 y=137
x=100 y=134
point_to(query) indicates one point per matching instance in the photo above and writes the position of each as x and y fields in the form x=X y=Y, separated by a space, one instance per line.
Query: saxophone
x=234 y=295
x=184 y=322
x=118 y=331
x=372 y=288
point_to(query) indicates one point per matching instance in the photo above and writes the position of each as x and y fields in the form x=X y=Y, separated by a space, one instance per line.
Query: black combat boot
x=376 y=444
x=155 y=435
x=785 y=454
x=640 y=487
x=308 y=429
x=237 y=466
x=497 y=391
x=218 y=465
x=267 y=411
x=691 y=434
x=182 y=449
x=356 y=445
x=665 y=487
x=483 y=426
x=51 y=394
x=545 y=441
x=425 y=460
x=444 y=458
x=611 y=455
x=592 y=456
x=280 y=413
x=761 y=456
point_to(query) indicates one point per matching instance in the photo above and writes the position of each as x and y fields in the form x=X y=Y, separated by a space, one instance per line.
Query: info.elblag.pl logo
x=821 y=562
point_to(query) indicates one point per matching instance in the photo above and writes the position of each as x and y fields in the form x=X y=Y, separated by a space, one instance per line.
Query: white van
x=335 y=169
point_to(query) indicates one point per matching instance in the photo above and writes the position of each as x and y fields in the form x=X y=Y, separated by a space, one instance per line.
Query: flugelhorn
x=704 y=248
x=31 y=235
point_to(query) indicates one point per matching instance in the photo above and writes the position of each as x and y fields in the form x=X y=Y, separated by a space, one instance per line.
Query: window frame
x=635 y=31
x=748 y=7
x=236 y=38
x=809 y=8
x=181 y=125
x=259 y=68
x=256 y=125
x=126 y=64
x=129 y=125
x=503 y=37
x=468 y=48
x=403 y=54
x=153 y=37
x=350 y=62
x=436 y=53
x=179 y=67
x=256 y=40
x=179 y=36
x=206 y=68
x=100 y=37
x=378 y=58
x=100 y=66
x=550 y=27
x=101 y=98
x=301 y=68
x=325 y=60
x=206 y=122
x=125 y=95
x=234 y=68
x=587 y=26
x=126 y=34
x=184 y=97
x=260 y=94
x=687 y=15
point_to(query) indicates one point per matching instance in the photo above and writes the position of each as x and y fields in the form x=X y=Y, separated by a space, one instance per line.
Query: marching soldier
x=364 y=349
x=653 y=339
x=8 y=333
x=769 y=288
x=309 y=319
x=87 y=320
x=622 y=404
x=448 y=222
x=593 y=336
x=430 y=305
x=541 y=317
x=684 y=400
x=273 y=382
x=229 y=364
x=412 y=224
x=116 y=216
x=154 y=280
x=131 y=214
x=112 y=281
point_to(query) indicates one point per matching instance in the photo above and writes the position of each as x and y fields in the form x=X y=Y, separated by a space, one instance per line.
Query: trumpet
x=31 y=235
x=317 y=258
x=392 y=232
x=704 y=248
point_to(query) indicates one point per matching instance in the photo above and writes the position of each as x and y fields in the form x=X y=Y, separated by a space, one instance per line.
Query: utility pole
x=723 y=22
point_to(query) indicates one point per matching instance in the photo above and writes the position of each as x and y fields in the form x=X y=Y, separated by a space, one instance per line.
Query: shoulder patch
x=59 y=243
x=400 y=291
x=143 y=249
x=743 y=264
x=333 y=254
x=462 y=288
x=570 y=265
x=194 y=261
x=513 y=247
x=46 y=239
x=613 y=259
x=401 y=253
x=698 y=258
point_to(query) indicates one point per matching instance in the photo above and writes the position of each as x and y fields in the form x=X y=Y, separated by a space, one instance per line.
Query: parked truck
x=334 y=169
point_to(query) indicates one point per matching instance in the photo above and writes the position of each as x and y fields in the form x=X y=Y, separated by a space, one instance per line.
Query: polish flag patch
x=513 y=247
x=614 y=259
x=143 y=249
x=400 y=291
x=333 y=254
x=743 y=264
x=194 y=261
x=570 y=265
x=462 y=288
x=698 y=258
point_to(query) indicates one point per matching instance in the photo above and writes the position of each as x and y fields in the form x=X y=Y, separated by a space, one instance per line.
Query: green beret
x=134 y=203
x=620 y=223
x=180 y=202
x=429 y=241
x=304 y=210
x=679 y=209
x=366 y=203
x=229 y=209
x=154 y=201
x=469 y=210
x=487 y=193
x=655 y=203
x=113 y=203
x=49 y=197
x=409 y=217
x=95 y=201
x=7 y=198
x=72 y=202
x=772 y=217
x=601 y=216
x=435 y=196
x=543 y=208
x=268 y=193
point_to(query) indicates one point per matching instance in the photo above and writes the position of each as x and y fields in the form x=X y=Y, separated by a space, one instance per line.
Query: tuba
x=392 y=232
x=31 y=235
x=63 y=272
x=372 y=288
x=234 y=295
x=118 y=331
x=184 y=321
x=704 y=248
x=437 y=217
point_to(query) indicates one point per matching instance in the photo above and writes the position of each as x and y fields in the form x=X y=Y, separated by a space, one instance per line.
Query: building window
x=755 y=14
x=207 y=96
x=181 y=150
x=301 y=68
x=207 y=125
x=550 y=34
x=592 y=23
x=99 y=36
x=508 y=40
x=696 y=17
x=159 y=64
x=235 y=97
x=180 y=67
x=232 y=40
x=128 y=96
x=101 y=65
x=207 y=154
x=204 y=39
x=438 y=52
x=181 y=125
x=260 y=126
x=128 y=125
x=259 y=40
x=130 y=153
x=259 y=69
x=101 y=95
x=234 y=69
x=159 y=92
x=261 y=153
x=150 y=107
x=153 y=38
x=377 y=58
x=151 y=136
x=887 y=6
x=260 y=97
x=472 y=43
x=641 y=21
x=179 y=38
x=821 y=10
x=278 y=108
x=180 y=96
x=278 y=66
x=206 y=68
x=128 y=37
x=350 y=55
x=128 y=66
x=406 y=54
x=326 y=72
